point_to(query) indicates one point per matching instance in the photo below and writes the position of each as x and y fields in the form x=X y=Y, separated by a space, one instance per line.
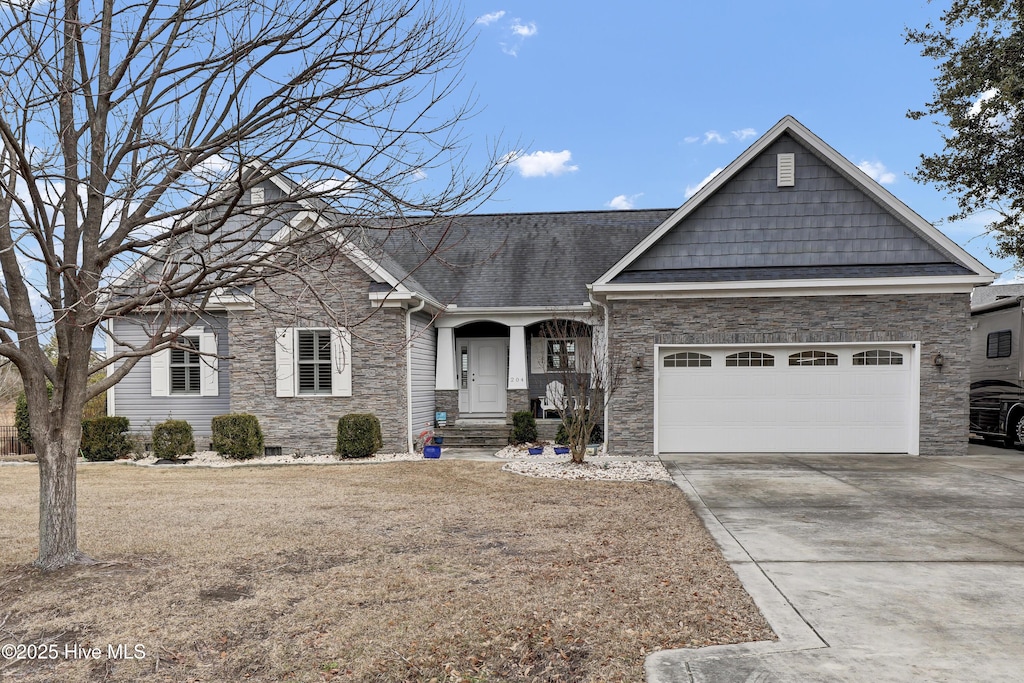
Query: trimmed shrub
x=173 y=438
x=524 y=428
x=105 y=438
x=237 y=436
x=359 y=435
x=596 y=434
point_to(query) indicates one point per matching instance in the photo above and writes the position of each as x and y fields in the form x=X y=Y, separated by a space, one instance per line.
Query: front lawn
x=453 y=571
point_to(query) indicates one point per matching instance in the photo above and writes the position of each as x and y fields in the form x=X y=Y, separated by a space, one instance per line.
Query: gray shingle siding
x=132 y=395
x=824 y=220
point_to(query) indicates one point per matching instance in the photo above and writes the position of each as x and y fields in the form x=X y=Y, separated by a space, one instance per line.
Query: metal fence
x=9 y=442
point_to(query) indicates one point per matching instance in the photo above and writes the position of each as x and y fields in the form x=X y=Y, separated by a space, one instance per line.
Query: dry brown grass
x=447 y=571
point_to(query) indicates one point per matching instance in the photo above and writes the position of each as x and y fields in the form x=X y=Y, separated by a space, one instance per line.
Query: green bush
x=237 y=436
x=172 y=439
x=105 y=438
x=359 y=435
x=596 y=433
x=524 y=428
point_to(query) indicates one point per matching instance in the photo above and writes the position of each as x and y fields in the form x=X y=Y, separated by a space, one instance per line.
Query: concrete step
x=489 y=436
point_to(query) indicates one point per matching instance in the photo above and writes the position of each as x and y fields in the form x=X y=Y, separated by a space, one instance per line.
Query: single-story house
x=791 y=305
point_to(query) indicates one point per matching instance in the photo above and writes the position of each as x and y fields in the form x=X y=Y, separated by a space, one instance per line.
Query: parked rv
x=997 y=371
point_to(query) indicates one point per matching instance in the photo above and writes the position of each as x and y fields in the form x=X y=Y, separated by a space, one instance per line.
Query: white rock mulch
x=548 y=464
x=214 y=459
x=593 y=468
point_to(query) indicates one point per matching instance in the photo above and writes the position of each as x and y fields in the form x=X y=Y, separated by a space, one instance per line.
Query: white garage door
x=775 y=399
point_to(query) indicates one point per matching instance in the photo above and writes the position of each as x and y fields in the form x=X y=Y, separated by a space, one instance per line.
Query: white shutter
x=341 y=362
x=538 y=355
x=584 y=358
x=208 y=371
x=284 y=347
x=159 y=373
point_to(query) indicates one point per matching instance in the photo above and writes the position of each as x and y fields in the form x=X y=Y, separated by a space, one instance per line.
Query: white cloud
x=694 y=189
x=524 y=30
x=744 y=134
x=690 y=139
x=518 y=31
x=713 y=136
x=490 y=18
x=877 y=171
x=982 y=99
x=540 y=164
x=624 y=202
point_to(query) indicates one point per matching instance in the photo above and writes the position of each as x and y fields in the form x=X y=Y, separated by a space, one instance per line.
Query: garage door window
x=750 y=359
x=878 y=357
x=814 y=358
x=687 y=359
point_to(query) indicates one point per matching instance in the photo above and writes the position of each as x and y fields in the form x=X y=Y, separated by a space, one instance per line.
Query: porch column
x=444 y=368
x=517 y=377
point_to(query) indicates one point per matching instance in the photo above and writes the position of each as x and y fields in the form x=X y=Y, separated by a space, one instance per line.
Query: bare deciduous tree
x=585 y=376
x=139 y=130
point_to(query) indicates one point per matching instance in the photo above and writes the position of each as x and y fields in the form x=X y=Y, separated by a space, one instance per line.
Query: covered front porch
x=490 y=366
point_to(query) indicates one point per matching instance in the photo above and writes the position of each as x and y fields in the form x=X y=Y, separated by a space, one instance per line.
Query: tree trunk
x=58 y=505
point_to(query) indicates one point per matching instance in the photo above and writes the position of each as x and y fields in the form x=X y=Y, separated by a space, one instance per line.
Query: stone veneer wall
x=940 y=322
x=309 y=424
x=447 y=401
x=517 y=400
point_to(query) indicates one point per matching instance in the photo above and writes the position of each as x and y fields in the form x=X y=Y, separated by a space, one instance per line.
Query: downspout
x=408 y=365
x=606 y=366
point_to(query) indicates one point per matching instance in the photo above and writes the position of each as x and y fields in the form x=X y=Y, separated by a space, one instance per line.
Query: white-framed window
x=561 y=354
x=750 y=359
x=805 y=358
x=313 y=361
x=191 y=370
x=688 y=359
x=878 y=357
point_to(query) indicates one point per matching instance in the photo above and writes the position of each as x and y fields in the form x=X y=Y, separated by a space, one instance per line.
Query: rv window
x=999 y=344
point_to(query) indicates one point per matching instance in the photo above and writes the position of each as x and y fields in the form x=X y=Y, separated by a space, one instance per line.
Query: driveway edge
x=794 y=633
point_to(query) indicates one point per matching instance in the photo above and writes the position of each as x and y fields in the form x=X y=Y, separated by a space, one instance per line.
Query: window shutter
x=208 y=370
x=341 y=362
x=538 y=355
x=284 y=347
x=583 y=354
x=159 y=373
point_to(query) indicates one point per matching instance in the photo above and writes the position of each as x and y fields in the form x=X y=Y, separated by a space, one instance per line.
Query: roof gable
x=833 y=222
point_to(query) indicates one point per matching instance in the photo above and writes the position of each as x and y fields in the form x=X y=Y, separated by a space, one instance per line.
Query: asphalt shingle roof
x=507 y=260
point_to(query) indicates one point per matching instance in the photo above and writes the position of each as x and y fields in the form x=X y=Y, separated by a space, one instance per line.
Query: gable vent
x=256 y=199
x=787 y=170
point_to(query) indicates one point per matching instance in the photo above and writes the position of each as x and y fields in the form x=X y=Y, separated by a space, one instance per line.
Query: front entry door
x=487 y=381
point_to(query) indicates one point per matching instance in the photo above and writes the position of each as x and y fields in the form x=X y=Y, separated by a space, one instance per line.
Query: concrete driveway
x=868 y=567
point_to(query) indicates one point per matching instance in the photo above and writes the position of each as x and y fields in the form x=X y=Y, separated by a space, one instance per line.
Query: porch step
x=492 y=434
x=482 y=436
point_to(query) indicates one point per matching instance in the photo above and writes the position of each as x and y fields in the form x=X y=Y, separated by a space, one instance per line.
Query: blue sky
x=634 y=104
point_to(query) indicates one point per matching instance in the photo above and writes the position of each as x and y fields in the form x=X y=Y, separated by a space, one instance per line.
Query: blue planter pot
x=561 y=450
x=536 y=451
x=431 y=451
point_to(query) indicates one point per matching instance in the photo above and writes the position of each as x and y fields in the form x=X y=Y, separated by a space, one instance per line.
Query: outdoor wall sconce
x=638 y=363
x=938 y=361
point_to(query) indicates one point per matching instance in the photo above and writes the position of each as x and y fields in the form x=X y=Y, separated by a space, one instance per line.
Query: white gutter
x=408 y=365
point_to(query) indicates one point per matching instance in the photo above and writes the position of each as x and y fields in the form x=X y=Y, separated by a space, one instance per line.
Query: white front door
x=487 y=375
